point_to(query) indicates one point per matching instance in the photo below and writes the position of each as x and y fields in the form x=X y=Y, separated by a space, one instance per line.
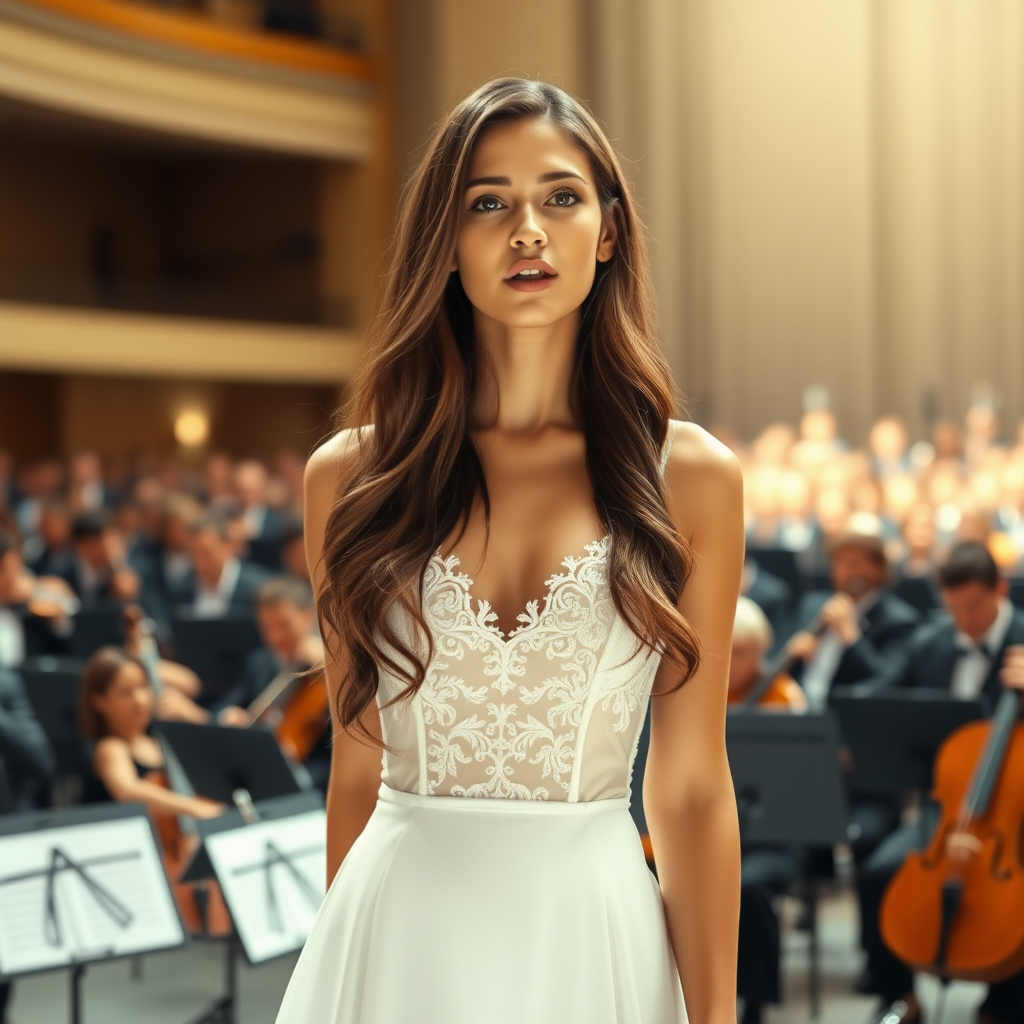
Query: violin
x=784 y=693
x=956 y=910
x=201 y=904
x=299 y=715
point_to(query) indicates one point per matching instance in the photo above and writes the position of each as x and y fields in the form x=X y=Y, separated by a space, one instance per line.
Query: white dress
x=500 y=878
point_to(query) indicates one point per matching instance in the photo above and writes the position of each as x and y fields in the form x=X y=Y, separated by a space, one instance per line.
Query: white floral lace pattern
x=551 y=711
x=503 y=716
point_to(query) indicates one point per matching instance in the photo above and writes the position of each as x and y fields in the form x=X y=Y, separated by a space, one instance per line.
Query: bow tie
x=981 y=647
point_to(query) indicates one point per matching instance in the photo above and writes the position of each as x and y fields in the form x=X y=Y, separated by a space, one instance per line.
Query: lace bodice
x=552 y=711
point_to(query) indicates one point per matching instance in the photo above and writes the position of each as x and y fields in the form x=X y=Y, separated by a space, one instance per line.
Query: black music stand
x=789 y=792
x=894 y=735
x=96 y=626
x=51 y=685
x=780 y=562
x=218 y=760
x=215 y=649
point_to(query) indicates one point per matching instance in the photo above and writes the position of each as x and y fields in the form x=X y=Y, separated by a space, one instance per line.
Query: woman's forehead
x=526 y=148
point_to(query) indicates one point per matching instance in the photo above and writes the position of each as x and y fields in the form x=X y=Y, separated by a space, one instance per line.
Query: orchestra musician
x=219 y=583
x=855 y=634
x=766 y=871
x=30 y=626
x=752 y=639
x=974 y=652
x=115 y=712
x=99 y=568
x=291 y=644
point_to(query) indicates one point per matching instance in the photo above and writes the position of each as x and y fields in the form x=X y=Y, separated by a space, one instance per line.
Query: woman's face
x=127 y=704
x=531 y=197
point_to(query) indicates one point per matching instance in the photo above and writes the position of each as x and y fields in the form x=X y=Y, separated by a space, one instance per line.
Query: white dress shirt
x=214 y=603
x=12 y=639
x=818 y=673
x=971 y=668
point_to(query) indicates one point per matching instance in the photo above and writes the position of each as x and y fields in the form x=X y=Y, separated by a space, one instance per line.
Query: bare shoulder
x=334 y=461
x=110 y=750
x=703 y=478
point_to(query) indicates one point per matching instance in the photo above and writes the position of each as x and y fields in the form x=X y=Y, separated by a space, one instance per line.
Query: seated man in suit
x=261 y=524
x=48 y=551
x=856 y=632
x=974 y=652
x=291 y=644
x=99 y=569
x=26 y=762
x=220 y=583
x=24 y=631
x=851 y=635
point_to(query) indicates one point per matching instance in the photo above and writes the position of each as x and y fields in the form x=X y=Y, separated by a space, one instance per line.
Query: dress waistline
x=499 y=805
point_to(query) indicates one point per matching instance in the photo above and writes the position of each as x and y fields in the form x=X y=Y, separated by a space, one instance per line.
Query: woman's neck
x=526 y=377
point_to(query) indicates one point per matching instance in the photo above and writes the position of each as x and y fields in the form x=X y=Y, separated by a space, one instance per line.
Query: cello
x=956 y=909
x=201 y=904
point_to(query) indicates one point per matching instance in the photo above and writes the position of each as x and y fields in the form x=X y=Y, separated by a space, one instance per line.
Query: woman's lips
x=529 y=284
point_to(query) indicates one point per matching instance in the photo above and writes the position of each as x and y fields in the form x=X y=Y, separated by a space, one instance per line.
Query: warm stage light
x=191 y=427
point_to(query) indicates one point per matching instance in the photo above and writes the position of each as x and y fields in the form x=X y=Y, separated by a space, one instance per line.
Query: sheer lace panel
x=552 y=711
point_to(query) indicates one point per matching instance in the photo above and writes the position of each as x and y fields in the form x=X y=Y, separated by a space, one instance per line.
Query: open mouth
x=531 y=274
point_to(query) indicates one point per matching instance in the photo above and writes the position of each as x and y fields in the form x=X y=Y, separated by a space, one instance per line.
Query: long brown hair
x=98 y=676
x=417 y=471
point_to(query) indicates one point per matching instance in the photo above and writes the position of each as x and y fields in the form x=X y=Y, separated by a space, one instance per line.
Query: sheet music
x=83 y=892
x=272 y=874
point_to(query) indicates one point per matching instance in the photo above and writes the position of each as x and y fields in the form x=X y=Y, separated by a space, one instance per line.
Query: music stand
x=215 y=649
x=271 y=870
x=51 y=685
x=96 y=626
x=789 y=792
x=789 y=785
x=779 y=562
x=894 y=735
x=217 y=760
x=79 y=886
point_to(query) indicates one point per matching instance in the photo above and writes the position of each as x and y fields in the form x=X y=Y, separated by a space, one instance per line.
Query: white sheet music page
x=83 y=892
x=272 y=876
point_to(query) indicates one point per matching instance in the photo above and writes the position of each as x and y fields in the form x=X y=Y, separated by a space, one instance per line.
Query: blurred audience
x=962 y=483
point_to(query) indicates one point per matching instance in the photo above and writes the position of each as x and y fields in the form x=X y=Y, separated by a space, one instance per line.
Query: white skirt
x=451 y=910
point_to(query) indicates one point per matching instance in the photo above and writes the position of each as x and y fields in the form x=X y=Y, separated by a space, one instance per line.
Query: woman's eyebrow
x=550 y=176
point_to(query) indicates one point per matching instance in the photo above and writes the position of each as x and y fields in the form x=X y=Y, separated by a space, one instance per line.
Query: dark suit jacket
x=24 y=746
x=249 y=579
x=931 y=656
x=885 y=630
x=39 y=635
x=69 y=571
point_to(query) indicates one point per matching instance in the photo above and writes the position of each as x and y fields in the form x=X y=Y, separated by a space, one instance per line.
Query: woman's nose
x=528 y=231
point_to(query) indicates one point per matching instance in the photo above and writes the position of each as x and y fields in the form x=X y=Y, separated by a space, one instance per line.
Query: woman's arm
x=112 y=763
x=688 y=791
x=355 y=765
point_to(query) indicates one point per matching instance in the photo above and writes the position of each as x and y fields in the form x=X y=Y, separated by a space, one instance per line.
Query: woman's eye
x=481 y=204
x=566 y=194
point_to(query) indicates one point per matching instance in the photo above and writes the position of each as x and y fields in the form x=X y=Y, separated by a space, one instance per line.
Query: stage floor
x=176 y=987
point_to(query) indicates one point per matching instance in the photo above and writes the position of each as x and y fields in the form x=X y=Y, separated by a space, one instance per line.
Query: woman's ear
x=609 y=236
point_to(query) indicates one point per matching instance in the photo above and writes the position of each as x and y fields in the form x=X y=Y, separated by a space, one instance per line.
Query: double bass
x=956 y=910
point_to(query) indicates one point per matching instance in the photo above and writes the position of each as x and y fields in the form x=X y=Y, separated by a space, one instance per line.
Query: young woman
x=115 y=709
x=513 y=547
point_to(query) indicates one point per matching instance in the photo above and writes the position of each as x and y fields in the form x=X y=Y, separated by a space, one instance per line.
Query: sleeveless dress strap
x=667 y=446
